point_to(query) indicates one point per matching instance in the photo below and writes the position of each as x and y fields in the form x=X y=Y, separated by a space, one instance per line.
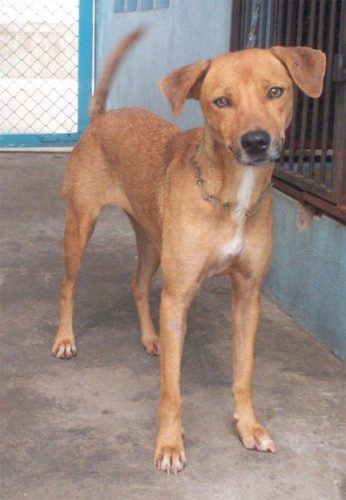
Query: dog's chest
x=231 y=245
x=231 y=241
x=228 y=246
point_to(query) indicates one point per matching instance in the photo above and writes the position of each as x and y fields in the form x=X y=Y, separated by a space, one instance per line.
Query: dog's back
x=120 y=152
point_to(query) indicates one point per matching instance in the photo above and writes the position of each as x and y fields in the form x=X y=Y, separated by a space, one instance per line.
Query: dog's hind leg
x=148 y=262
x=79 y=225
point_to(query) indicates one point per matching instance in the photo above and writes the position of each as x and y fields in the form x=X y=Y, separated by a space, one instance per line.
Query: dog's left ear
x=306 y=67
x=184 y=83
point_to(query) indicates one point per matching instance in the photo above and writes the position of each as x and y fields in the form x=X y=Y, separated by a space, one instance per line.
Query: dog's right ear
x=184 y=83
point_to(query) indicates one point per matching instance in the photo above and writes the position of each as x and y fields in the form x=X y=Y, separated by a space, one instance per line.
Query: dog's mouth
x=256 y=160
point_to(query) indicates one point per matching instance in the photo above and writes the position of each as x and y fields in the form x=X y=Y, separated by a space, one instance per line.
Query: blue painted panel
x=147 y=4
x=162 y=4
x=135 y=5
x=85 y=62
x=131 y=5
x=185 y=32
x=119 y=5
x=308 y=274
x=38 y=140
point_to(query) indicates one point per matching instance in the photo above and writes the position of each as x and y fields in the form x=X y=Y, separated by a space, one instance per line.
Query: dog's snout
x=255 y=143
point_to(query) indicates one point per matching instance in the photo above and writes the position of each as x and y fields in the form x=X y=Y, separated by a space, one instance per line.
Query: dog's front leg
x=245 y=318
x=169 y=454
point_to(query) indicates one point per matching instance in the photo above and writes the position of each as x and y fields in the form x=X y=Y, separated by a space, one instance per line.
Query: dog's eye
x=275 y=92
x=222 y=102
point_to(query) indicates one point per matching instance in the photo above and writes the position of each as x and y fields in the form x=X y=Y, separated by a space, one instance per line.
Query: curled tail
x=98 y=100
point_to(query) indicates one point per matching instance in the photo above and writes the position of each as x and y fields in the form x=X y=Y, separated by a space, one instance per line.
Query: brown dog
x=199 y=202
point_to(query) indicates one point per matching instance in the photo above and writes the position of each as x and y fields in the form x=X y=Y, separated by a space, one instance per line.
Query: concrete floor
x=85 y=428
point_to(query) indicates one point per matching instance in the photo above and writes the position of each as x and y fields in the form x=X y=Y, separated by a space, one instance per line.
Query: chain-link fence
x=38 y=66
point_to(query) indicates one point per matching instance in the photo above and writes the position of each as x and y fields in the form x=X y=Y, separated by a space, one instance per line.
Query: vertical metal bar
x=339 y=139
x=288 y=34
x=263 y=18
x=249 y=4
x=242 y=25
x=328 y=90
x=292 y=139
x=289 y=24
x=272 y=20
x=315 y=105
x=280 y=19
x=302 y=138
x=279 y=37
x=252 y=38
x=236 y=25
x=245 y=16
x=85 y=61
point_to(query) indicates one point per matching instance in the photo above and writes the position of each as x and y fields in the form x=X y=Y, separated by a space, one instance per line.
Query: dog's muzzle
x=255 y=144
x=256 y=149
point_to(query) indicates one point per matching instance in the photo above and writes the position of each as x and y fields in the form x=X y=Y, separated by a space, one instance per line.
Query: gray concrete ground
x=85 y=428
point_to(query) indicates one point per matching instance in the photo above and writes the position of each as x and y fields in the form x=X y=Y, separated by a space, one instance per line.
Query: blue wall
x=186 y=31
x=307 y=278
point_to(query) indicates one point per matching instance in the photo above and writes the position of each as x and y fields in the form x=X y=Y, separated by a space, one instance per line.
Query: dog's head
x=246 y=96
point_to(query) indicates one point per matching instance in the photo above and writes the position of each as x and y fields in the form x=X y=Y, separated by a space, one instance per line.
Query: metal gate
x=313 y=166
x=46 y=56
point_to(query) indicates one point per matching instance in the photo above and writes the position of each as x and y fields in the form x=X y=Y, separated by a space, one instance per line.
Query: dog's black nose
x=255 y=143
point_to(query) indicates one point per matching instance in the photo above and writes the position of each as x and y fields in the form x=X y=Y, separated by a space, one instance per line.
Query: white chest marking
x=246 y=187
x=234 y=245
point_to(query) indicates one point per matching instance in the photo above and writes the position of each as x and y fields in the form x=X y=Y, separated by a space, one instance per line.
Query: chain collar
x=228 y=206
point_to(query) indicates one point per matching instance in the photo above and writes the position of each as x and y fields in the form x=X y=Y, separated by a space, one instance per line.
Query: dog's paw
x=254 y=436
x=152 y=345
x=170 y=459
x=64 y=348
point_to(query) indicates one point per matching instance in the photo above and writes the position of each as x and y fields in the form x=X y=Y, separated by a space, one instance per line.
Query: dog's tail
x=98 y=100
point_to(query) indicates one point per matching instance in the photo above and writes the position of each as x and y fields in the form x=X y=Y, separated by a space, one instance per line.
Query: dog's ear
x=183 y=83
x=306 y=67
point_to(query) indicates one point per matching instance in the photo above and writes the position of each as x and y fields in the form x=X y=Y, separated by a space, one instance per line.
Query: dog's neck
x=227 y=179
